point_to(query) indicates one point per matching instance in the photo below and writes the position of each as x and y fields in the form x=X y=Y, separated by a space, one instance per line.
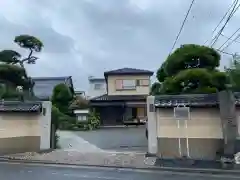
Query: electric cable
x=229 y=38
x=183 y=23
x=231 y=42
x=233 y=11
x=222 y=19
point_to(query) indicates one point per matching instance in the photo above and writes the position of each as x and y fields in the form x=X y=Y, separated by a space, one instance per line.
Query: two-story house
x=43 y=86
x=97 y=87
x=125 y=100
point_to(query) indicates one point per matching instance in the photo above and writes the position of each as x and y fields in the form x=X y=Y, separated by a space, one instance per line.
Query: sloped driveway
x=114 y=139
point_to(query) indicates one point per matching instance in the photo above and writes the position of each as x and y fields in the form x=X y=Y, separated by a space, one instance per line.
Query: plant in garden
x=155 y=88
x=191 y=69
x=79 y=103
x=12 y=70
x=62 y=97
x=93 y=120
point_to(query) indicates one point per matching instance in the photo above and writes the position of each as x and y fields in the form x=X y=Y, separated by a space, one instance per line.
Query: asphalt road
x=40 y=172
x=122 y=139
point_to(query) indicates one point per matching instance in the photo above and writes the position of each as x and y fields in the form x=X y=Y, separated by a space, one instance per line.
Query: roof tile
x=106 y=97
x=190 y=100
x=18 y=106
x=126 y=71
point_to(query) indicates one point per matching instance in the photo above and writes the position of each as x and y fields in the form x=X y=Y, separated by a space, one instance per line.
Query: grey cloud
x=53 y=41
x=90 y=36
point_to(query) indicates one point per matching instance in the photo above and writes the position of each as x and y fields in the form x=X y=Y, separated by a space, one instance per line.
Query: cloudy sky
x=88 y=37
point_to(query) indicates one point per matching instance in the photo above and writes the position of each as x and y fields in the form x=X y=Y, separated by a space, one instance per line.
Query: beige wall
x=204 y=123
x=204 y=133
x=19 y=133
x=15 y=125
x=140 y=90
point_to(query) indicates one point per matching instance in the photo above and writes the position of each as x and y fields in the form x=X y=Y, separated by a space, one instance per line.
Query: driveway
x=107 y=139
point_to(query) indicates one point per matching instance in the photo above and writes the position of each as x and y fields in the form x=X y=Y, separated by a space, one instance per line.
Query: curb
x=155 y=168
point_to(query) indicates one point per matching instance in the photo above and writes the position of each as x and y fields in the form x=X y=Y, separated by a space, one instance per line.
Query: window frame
x=129 y=87
x=139 y=82
x=100 y=86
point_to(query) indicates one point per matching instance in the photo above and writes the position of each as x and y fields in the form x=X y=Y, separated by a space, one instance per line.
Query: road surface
x=51 y=172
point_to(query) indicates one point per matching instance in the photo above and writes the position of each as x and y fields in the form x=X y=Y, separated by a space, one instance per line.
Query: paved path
x=124 y=147
x=39 y=172
x=113 y=139
x=71 y=142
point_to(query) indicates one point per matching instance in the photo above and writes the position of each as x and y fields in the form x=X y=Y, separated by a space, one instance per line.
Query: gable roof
x=128 y=71
x=44 y=86
x=106 y=97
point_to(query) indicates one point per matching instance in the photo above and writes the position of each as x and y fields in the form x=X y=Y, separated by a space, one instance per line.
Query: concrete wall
x=204 y=123
x=200 y=137
x=140 y=90
x=24 y=132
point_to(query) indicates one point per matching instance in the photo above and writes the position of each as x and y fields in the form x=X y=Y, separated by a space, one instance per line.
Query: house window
x=82 y=117
x=129 y=84
x=143 y=82
x=125 y=84
x=98 y=86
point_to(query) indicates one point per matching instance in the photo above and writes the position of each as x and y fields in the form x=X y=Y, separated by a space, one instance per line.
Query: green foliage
x=56 y=116
x=70 y=123
x=191 y=69
x=10 y=56
x=161 y=74
x=155 y=88
x=191 y=56
x=233 y=72
x=12 y=71
x=29 y=42
x=93 y=120
x=62 y=97
x=79 y=103
x=14 y=75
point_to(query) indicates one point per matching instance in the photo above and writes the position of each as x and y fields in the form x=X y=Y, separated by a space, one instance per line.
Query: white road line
x=92 y=177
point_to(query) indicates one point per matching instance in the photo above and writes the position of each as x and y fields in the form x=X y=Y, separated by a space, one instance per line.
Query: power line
x=231 y=54
x=222 y=19
x=183 y=23
x=229 y=38
x=214 y=40
x=231 y=42
x=233 y=11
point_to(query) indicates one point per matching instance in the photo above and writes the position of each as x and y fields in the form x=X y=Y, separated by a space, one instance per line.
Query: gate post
x=152 y=126
x=229 y=122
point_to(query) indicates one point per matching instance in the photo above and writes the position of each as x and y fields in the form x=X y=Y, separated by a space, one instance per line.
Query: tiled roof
x=18 y=106
x=128 y=71
x=44 y=86
x=106 y=97
x=192 y=100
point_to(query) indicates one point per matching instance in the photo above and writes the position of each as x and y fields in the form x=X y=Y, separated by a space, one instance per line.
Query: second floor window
x=98 y=86
x=125 y=84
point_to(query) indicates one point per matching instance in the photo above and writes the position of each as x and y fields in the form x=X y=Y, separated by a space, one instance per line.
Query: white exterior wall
x=45 y=126
x=96 y=92
x=152 y=126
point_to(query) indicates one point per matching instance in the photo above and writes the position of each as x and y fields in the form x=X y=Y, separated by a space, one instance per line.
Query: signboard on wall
x=182 y=113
